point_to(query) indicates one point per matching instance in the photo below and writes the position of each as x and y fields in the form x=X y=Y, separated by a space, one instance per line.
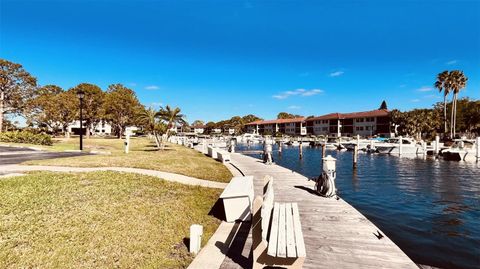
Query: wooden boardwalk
x=336 y=234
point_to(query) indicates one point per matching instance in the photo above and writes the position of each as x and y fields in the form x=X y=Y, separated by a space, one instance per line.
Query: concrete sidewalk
x=7 y=169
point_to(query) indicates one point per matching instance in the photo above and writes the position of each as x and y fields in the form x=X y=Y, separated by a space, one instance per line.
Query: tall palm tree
x=171 y=116
x=148 y=118
x=442 y=85
x=457 y=81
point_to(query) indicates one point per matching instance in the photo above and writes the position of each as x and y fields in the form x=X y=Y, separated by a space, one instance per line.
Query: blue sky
x=217 y=59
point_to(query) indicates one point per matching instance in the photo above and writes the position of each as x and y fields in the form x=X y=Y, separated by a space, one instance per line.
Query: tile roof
x=333 y=116
x=263 y=122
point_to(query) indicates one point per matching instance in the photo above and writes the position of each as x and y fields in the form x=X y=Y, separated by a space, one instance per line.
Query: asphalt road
x=11 y=155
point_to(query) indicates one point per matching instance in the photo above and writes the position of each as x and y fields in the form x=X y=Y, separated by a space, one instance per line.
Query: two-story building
x=295 y=126
x=366 y=123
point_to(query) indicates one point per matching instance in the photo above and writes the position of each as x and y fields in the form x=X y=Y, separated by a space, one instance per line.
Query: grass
x=99 y=220
x=143 y=154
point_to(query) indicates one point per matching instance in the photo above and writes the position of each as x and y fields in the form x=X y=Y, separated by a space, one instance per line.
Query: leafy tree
x=285 y=115
x=52 y=107
x=198 y=123
x=93 y=101
x=17 y=86
x=210 y=126
x=120 y=106
x=250 y=118
x=383 y=105
x=67 y=109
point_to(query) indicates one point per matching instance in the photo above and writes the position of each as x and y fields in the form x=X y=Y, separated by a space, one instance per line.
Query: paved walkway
x=7 y=169
x=336 y=234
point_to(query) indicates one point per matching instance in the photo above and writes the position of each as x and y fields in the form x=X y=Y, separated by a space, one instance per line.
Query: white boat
x=364 y=144
x=392 y=146
x=250 y=138
x=461 y=150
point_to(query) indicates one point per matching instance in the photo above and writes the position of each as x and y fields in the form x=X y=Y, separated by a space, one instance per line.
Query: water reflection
x=429 y=207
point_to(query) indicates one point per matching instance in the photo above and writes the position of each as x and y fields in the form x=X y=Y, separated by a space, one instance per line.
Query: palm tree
x=171 y=116
x=442 y=85
x=148 y=118
x=457 y=81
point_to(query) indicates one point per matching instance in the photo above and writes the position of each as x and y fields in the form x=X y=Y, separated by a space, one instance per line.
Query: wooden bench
x=276 y=232
x=223 y=156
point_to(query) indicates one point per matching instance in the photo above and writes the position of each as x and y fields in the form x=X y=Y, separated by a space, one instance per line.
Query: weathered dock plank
x=336 y=235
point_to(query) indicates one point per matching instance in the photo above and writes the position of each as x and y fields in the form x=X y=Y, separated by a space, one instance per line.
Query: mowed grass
x=99 y=220
x=142 y=154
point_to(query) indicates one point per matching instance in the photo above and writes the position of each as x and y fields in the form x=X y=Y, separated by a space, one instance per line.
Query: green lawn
x=143 y=154
x=99 y=220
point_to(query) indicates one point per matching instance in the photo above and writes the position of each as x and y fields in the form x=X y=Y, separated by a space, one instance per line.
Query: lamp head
x=80 y=94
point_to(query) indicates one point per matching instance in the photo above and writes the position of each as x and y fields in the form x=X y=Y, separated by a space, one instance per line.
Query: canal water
x=429 y=208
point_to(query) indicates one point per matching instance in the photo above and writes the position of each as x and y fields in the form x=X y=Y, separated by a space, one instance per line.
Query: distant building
x=367 y=123
x=102 y=128
x=295 y=126
x=199 y=129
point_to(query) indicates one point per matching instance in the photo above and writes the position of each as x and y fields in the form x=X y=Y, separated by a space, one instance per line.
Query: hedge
x=26 y=137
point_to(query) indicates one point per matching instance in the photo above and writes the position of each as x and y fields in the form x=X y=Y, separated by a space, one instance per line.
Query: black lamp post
x=80 y=95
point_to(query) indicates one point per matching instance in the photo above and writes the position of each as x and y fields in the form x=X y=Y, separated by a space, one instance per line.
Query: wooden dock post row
x=336 y=235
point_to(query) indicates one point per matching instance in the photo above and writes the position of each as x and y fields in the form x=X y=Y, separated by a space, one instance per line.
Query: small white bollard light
x=127 y=142
x=196 y=232
x=326 y=183
x=329 y=164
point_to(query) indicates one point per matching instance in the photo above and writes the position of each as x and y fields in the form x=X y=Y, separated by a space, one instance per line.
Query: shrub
x=26 y=137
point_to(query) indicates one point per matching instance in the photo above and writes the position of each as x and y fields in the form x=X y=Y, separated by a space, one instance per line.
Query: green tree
x=442 y=85
x=147 y=118
x=43 y=110
x=120 y=106
x=456 y=81
x=17 y=86
x=93 y=101
x=171 y=117
x=383 y=105
x=198 y=123
x=285 y=115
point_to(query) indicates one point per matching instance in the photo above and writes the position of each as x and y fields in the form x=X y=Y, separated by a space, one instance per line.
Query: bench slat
x=298 y=232
x=291 y=250
x=282 y=237
x=272 y=242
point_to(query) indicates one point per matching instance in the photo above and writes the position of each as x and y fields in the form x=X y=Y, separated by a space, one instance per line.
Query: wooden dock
x=336 y=234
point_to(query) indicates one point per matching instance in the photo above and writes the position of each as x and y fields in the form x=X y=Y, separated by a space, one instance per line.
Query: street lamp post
x=80 y=95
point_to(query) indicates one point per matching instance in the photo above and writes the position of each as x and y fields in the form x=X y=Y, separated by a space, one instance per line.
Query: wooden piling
x=355 y=156
x=323 y=150
x=300 y=150
x=400 y=145
x=478 y=148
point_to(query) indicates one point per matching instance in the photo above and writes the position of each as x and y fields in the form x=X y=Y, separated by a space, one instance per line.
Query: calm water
x=430 y=208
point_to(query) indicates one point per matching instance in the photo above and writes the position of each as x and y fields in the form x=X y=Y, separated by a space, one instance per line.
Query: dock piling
x=400 y=145
x=437 y=145
x=478 y=148
x=300 y=150
x=323 y=150
x=355 y=156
